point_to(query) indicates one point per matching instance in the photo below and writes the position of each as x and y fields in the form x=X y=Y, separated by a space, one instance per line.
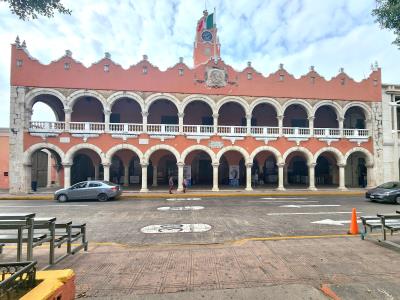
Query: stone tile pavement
x=348 y=267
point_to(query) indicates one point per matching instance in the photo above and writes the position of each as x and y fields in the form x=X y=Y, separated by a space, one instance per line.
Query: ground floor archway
x=198 y=170
x=356 y=170
x=326 y=170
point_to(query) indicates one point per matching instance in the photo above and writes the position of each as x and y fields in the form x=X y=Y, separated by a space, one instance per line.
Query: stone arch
x=159 y=96
x=118 y=95
x=193 y=98
x=153 y=149
x=44 y=91
x=228 y=99
x=109 y=154
x=336 y=152
x=338 y=109
x=71 y=152
x=187 y=151
x=32 y=149
x=367 y=110
x=233 y=148
x=306 y=152
x=368 y=155
x=273 y=150
x=303 y=103
x=273 y=102
x=83 y=93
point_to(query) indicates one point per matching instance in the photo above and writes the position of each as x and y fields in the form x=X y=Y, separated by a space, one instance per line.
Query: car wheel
x=62 y=198
x=397 y=200
x=102 y=197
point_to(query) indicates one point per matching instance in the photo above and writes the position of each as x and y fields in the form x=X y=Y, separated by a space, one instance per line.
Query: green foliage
x=30 y=9
x=387 y=13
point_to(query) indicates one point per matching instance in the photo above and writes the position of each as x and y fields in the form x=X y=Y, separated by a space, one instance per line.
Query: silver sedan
x=100 y=190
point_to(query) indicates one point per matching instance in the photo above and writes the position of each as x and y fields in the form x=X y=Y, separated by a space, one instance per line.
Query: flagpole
x=215 y=37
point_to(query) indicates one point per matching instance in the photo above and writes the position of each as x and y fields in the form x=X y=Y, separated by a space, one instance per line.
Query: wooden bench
x=370 y=223
x=390 y=223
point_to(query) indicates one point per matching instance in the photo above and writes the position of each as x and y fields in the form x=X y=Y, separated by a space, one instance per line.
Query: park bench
x=381 y=222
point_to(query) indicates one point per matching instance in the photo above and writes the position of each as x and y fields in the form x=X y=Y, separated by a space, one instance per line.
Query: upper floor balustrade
x=194 y=130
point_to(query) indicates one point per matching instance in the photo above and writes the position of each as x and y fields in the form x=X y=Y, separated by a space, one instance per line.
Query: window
x=106 y=68
x=67 y=66
x=144 y=71
x=5 y=174
x=19 y=63
x=281 y=77
x=79 y=185
x=180 y=72
x=94 y=184
x=249 y=76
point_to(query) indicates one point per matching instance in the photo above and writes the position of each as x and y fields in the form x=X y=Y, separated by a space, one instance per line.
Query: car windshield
x=390 y=185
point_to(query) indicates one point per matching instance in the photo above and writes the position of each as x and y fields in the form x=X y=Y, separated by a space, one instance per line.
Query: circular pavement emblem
x=175 y=228
x=165 y=208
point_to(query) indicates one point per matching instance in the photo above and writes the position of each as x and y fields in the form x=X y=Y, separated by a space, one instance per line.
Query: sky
x=327 y=34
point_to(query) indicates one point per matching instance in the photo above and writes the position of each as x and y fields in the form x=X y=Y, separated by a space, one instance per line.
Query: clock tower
x=206 y=44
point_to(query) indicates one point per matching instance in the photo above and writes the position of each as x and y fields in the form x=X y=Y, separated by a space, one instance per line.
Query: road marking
x=283 y=198
x=30 y=206
x=183 y=199
x=313 y=213
x=311 y=205
x=284 y=201
x=333 y=222
x=165 y=208
x=176 y=228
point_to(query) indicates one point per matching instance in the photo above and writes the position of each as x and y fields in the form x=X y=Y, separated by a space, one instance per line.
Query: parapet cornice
x=105 y=74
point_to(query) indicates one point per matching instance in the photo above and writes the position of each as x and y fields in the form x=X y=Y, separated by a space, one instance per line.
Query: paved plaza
x=253 y=248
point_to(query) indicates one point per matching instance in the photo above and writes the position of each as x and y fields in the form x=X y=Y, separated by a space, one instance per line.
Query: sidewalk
x=346 y=267
x=129 y=194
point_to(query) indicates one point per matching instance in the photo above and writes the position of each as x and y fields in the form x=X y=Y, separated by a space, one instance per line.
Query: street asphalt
x=227 y=219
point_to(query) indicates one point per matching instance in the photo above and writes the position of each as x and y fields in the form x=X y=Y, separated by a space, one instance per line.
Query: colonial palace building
x=211 y=124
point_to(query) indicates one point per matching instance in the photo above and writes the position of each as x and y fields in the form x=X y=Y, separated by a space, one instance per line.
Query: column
x=67 y=174
x=144 y=116
x=28 y=178
x=180 y=116
x=126 y=174
x=248 y=177
x=280 y=124
x=370 y=175
x=395 y=142
x=180 y=176
x=281 y=186
x=106 y=169
x=155 y=183
x=215 y=177
x=49 y=168
x=144 y=188
x=311 y=174
x=215 y=122
x=248 y=123
x=67 y=113
x=342 y=178
x=311 y=124
x=96 y=171
x=107 y=114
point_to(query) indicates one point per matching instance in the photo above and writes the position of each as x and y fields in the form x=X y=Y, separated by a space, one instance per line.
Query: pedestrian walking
x=171 y=183
x=184 y=185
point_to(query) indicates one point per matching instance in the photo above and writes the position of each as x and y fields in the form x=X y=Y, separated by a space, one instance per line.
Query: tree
x=27 y=9
x=387 y=13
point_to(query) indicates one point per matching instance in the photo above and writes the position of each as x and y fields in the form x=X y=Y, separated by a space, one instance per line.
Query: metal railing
x=207 y=130
x=17 y=278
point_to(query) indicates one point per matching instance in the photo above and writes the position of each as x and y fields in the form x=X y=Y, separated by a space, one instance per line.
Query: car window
x=79 y=185
x=390 y=185
x=94 y=184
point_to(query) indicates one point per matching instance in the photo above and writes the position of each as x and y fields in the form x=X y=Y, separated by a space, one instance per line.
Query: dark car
x=387 y=192
x=85 y=190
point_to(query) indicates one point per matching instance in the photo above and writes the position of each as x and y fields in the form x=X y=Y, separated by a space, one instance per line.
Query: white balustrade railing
x=198 y=129
x=173 y=129
x=163 y=129
x=125 y=128
x=296 y=131
x=87 y=127
x=232 y=130
x=264 y=131
x=47 y=127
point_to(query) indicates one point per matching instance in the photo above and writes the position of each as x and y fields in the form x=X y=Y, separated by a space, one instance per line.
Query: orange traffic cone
x=353 y=223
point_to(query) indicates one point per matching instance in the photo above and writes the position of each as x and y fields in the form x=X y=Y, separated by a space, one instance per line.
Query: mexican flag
x=206 y=22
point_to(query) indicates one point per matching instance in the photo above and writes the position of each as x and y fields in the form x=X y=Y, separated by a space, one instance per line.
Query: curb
x=205 y=195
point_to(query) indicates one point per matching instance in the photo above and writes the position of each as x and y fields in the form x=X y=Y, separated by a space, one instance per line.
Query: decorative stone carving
x=216 y=78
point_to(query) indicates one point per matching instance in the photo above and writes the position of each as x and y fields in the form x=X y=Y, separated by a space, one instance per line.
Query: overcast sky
x=328 y=34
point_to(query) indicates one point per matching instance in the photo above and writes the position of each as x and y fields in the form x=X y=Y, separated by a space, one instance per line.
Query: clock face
x=206 y=36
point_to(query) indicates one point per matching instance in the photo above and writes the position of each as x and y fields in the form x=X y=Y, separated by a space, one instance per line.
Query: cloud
x=328 y=34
